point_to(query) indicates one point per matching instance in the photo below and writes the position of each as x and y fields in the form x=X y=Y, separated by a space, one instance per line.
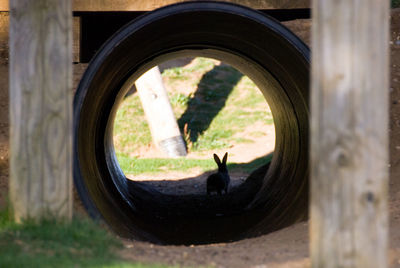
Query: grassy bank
x=50 y=243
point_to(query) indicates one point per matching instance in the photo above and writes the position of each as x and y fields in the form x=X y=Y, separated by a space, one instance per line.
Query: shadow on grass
x=251 y=166
x=209 y=99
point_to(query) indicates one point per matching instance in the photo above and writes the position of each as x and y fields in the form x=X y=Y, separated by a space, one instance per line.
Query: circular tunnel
x=272 y=197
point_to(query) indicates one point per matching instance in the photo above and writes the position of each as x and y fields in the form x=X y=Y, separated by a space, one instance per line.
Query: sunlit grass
x=136 y=166
x=220 y=104
x=57 y=243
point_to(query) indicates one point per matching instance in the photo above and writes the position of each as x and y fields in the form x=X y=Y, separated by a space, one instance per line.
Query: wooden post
x=41 y=108
x=160 y=116
x=349 y=133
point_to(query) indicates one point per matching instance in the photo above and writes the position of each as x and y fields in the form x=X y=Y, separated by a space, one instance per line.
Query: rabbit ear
x=225 y=158
x=216 y=158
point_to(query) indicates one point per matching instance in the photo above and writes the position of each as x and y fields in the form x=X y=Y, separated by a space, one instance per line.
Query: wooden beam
x=76 y=39
x=349 y=133
x=41 y=108
x=159 y=114
x=147 y=5
x=4 y=5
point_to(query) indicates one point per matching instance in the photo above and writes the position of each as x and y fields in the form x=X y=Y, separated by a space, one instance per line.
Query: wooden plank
x=159 y=114
x=4 y=26
x=349 y=134
x=76 y=39
x=41 y=108
x=140 y=5
x=4 y=5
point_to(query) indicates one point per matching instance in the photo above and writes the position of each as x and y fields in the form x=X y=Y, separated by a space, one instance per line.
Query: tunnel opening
x=209 y=92
x=204 y=94
x=273 y=196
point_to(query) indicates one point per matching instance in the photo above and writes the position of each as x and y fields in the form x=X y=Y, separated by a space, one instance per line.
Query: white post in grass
x=41 y=108
x=160 y=116
x=349 y=133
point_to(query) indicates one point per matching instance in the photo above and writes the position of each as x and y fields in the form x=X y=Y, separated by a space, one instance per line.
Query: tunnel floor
x=193 y=216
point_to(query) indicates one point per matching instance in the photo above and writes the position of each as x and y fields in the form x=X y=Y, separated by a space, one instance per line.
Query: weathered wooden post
x=41 y=108
x=160 y=116
x=349 y=133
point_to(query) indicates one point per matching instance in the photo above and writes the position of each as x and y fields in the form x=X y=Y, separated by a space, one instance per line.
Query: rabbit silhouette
x=218 y=182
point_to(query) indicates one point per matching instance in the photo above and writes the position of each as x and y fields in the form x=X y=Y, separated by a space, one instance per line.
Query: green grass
x=395 y=3
x=51 y=243
x=131 y=130
x=208 y=109
x=179 y=99
x=182 y=73
x=135 y=166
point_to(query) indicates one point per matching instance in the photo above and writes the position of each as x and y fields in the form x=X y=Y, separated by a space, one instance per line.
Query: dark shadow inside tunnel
x=198 y=219
x=240 y=174
x=200 y=204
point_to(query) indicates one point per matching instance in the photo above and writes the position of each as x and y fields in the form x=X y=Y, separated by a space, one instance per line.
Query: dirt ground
x=285 y=248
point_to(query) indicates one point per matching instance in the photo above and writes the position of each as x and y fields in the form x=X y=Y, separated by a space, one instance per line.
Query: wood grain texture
x=146 y=5
x=349 y=133
x=41 y=108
